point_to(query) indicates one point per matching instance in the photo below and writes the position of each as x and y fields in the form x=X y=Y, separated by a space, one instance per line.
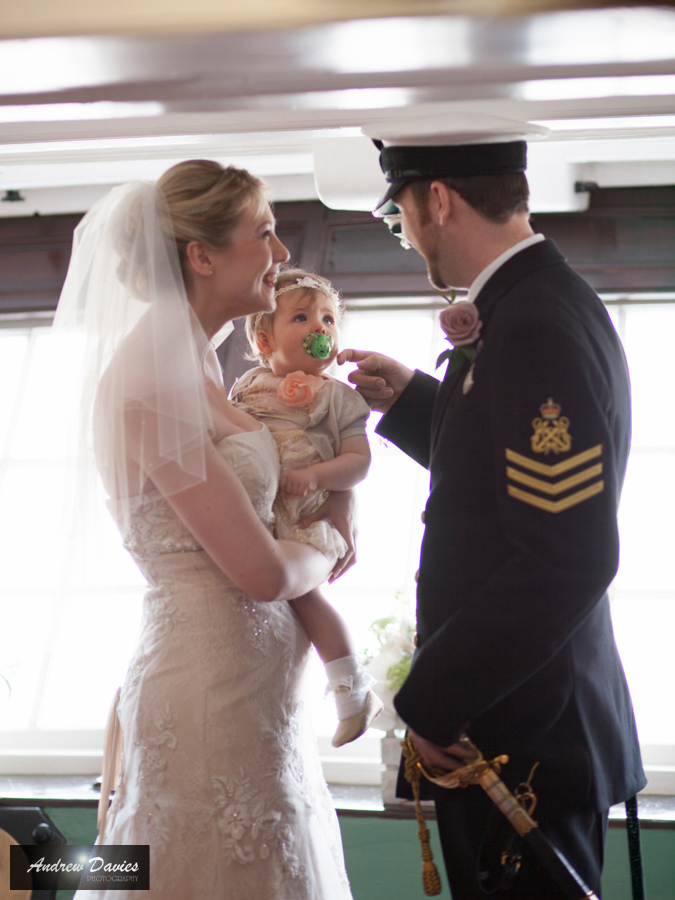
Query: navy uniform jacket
x=515 y=642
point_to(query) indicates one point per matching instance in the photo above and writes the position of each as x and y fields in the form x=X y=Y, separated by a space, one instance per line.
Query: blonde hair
x=264 y=321
x=202 y=201
x=206 y=201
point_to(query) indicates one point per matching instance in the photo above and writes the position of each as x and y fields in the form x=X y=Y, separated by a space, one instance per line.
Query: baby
x=319 y=427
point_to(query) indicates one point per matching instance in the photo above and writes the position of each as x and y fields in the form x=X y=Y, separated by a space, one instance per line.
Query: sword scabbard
x=486 y=774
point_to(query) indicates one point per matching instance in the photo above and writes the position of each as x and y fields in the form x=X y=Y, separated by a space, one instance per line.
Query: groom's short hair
x=495 y=197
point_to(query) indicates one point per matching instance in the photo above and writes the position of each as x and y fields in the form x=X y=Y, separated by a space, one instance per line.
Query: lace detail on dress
x=260 y=625
x=155 y=529
x=152 y=767
x=221 y=775
x=254 y=831
x=245 y=817
x=161 y=611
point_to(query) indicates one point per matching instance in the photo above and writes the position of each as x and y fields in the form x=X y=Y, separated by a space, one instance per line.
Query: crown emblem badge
x=550 y=410
x=551 y=433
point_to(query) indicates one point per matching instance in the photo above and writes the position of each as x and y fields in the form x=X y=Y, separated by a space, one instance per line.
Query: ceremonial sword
x=486 y=773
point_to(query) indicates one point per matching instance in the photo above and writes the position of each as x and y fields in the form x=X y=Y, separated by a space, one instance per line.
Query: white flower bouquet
x=390 y=663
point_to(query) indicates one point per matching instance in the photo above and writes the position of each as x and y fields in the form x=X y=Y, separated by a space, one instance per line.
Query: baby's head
x=302 y=332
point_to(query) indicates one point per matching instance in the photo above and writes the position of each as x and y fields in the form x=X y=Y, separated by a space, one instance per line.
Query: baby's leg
x=326 y=628
x=350 y=683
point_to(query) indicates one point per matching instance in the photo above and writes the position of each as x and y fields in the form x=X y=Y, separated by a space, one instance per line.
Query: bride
x=219 y=771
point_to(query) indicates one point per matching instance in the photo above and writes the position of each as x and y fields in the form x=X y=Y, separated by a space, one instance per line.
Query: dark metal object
x=28 y=826
x=634 y=851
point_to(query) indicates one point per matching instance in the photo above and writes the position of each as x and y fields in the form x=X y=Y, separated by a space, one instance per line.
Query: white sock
x=350 y=684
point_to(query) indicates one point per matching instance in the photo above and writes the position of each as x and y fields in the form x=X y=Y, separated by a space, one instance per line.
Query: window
x=391 y=500
x=643 y=592
x=65 y=641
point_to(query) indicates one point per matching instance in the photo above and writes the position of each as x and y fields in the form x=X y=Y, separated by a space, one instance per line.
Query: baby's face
x=298 y=314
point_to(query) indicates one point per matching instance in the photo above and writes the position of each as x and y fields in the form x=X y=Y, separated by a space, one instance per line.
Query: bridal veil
x=146 y=357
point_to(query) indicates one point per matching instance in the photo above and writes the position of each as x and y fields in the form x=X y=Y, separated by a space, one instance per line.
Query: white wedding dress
x=220 y=773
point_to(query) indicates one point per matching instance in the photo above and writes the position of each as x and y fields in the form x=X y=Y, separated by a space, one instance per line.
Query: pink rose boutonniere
x=299 y=389
x=462 y=326
x=460 y=323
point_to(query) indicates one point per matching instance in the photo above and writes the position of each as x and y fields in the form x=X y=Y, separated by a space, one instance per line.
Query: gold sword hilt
x=517 y=806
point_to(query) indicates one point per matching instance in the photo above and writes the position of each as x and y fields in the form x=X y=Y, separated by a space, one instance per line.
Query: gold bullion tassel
x=431 y=881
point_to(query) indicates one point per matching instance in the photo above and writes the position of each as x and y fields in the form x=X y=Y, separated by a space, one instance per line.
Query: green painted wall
x=658 y=860
x=384 y=862
x=78 y=826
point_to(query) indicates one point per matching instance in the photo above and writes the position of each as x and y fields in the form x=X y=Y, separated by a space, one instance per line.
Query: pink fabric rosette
x=299 y=389
x=461 y=323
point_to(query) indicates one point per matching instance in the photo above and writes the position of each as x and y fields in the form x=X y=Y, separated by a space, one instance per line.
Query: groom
x=526 y=438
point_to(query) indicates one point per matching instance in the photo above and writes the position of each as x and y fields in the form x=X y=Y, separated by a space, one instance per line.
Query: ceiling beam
x=32 y=18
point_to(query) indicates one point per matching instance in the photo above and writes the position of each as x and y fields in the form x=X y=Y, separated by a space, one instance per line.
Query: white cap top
x=452 y=129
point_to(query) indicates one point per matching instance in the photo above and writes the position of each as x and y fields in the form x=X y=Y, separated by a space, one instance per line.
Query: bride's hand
x=340 y=509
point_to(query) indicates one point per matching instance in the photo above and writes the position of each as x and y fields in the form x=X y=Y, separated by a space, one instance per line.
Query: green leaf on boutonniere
x=446 y=354
x=456 y=355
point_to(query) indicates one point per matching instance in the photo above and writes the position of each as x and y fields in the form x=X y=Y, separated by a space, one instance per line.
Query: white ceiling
x=80 y=114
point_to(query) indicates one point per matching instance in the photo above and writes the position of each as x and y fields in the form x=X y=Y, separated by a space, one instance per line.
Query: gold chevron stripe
x=556 y=506
x=558 y=468
x=561 y=486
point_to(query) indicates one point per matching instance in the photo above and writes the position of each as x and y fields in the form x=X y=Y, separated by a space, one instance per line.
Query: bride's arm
x=219 y=513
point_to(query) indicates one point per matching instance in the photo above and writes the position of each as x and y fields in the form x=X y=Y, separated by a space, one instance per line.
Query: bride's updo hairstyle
x=145 y=352
x=206 y=201
x=202 y=201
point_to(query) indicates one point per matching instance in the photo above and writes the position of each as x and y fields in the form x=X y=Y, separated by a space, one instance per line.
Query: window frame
x=79 y=751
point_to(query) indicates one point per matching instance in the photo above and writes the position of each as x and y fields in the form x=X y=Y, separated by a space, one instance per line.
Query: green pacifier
x=320 y=346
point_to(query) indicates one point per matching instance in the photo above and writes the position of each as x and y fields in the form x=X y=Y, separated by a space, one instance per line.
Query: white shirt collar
x=487 y=273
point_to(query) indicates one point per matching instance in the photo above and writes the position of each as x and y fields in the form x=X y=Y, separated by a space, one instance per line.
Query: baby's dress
x=305 y=435
x=220 y=772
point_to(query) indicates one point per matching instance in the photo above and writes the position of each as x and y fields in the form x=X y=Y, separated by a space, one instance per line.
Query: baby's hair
x=289 y=279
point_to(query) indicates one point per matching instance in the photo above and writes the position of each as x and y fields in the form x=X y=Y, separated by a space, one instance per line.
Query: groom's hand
x=340 y=509
x=449 y=758
x=379 y=379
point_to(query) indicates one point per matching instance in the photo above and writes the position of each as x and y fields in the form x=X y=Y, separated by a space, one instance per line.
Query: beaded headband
x=307 y=282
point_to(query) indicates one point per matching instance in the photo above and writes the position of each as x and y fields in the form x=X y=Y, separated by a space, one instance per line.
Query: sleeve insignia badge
x=551 y=435
x=550 y=431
